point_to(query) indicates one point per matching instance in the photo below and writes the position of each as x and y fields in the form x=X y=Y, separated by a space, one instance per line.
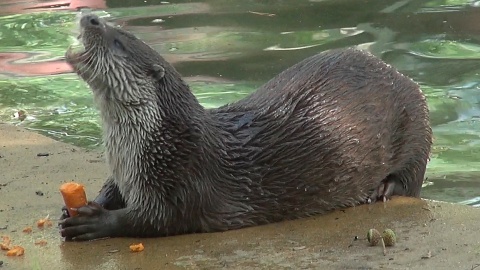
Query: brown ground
x=431 y=235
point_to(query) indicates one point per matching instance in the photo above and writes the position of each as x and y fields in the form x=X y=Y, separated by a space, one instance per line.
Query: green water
x=226 y=49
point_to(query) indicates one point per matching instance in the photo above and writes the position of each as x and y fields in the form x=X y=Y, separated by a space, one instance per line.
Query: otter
x=338 y=129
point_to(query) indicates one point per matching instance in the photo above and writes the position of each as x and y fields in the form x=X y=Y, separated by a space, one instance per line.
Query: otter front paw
x=92 y=222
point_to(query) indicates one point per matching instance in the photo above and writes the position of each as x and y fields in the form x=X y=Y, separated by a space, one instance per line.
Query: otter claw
x=65 y=213
x=383 y=191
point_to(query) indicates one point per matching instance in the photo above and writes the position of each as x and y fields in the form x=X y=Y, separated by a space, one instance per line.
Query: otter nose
x=90 y=20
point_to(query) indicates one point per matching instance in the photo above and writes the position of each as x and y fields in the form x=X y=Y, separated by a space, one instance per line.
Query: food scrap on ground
x=41 y=242
x=389 y=237
x=137 y=247
x=19 y=250
x=74 y=196
x=373 y=237
x=5 y=243
x=428 y=255
x=44 y=222
x=16 y=251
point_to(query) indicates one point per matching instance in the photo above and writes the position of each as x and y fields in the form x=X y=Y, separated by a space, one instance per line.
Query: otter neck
x=162 y=142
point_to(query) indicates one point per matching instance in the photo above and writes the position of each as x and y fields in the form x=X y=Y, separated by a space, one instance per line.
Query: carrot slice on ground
x=16 y=251
x=5 y=245
x=41 y=243
x=74 y=196
x=136 y=247
x=44 y=222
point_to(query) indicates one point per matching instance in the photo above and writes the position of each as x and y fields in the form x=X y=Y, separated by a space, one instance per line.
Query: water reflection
x=226 y=49
x=24 y=64
x=20 y=7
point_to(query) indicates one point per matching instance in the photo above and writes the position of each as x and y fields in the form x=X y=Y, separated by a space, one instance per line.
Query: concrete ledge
x=431 y=235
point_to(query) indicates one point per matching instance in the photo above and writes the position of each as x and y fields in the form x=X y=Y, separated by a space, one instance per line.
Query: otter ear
x=158 y=71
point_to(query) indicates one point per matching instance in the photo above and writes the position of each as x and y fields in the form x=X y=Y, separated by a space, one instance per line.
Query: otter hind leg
x=404 y=183
x=389 y=186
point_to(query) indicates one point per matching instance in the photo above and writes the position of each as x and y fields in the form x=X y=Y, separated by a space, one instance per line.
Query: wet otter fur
x=338 y=129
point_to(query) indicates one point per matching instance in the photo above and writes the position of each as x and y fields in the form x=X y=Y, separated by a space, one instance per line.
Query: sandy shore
x=431 y=235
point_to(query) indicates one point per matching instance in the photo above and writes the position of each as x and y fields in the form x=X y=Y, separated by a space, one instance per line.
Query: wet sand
x=431 y=235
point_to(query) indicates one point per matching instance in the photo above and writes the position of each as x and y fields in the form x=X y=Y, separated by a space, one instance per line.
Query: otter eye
x=118 y=45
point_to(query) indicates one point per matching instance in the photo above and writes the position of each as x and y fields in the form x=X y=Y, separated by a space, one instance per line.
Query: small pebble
x=427 y=256
x=39 y=193
x=43 y=154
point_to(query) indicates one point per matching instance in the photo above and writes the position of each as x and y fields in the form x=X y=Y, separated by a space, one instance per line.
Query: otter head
x=117 y=65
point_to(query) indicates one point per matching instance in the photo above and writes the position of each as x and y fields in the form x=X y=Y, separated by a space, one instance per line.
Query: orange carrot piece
x=73 y=196
x=4 y=246
x=5 y=243
x=16 y=251
x=41 y=243
x=137 y=247
x=44 y=222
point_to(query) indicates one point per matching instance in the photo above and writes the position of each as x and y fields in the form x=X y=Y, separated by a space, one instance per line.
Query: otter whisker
x=97 y=67
x=86 y=58
x=97 y=70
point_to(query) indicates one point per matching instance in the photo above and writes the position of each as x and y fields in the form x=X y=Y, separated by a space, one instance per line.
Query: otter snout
x=91 y=20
